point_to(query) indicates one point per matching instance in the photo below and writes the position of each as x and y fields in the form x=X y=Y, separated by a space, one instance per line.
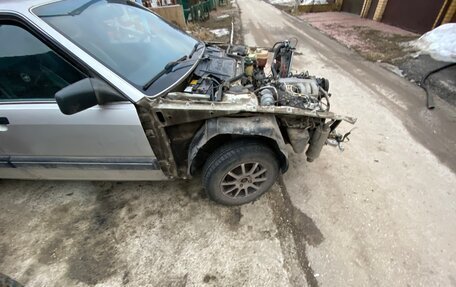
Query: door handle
x=4 y=121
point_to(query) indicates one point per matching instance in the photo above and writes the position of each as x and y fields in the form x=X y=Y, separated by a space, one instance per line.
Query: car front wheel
x=240 y=172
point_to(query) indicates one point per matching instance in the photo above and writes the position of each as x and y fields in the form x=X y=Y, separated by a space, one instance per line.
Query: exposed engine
x=281 y=87
x=239 y=79
x=240 y=68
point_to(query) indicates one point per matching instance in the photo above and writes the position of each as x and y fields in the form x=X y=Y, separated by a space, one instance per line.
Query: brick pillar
x=339 y=4
x=366 y=6
x=450 y=13
x=380 y=10
x=439 y=16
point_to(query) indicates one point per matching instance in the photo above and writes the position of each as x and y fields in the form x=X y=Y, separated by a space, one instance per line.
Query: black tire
x=240 y=172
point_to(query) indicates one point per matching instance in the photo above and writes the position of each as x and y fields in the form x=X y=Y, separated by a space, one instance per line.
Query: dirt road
x=380 y=214
x=386 y=207
x=137 y=234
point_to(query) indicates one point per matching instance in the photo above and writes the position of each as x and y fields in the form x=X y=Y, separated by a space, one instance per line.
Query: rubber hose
x=430 y=99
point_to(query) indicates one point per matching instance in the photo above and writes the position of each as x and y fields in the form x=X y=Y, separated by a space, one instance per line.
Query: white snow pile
x=224 y=16
x=220 y=32
x=439 y=43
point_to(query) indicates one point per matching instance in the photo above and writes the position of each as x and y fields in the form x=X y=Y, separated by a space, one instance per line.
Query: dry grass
x=380 y=46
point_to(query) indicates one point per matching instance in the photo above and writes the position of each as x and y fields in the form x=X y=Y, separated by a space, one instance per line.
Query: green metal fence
x=200 y=11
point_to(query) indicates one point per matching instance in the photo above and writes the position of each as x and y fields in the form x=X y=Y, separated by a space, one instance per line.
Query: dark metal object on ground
x=6 y=281
x=429 y=97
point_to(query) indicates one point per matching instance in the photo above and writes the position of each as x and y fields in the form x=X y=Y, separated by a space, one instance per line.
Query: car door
x=37 y=141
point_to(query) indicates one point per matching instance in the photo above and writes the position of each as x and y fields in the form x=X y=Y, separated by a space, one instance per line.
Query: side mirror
x=85 y=94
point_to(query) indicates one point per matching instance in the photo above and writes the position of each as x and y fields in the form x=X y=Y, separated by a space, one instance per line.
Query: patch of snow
x=439 y=43
x=393 y=69
x=311 y=2
x=449 y=84
x=224 y=16
x=283 y=2
x=220 y=32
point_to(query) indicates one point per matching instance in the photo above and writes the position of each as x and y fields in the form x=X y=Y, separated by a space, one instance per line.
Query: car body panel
x=260 y=126
x=103 y=143
x=41 y=142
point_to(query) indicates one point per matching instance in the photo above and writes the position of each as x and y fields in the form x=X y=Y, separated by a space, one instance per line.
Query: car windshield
x=130 y=40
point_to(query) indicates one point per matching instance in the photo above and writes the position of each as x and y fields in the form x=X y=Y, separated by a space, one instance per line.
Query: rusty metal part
x=261 y=126
x=298 y=139
x=318 y=140
x=179 y=111
x=180 y=137
x=181 y=123
x=158 y=138
x=240 y=114
x=175 y=112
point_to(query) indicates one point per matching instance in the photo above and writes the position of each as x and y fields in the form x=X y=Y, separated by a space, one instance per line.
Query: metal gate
x=414 y=15
x=353 y=6
x=372 y=9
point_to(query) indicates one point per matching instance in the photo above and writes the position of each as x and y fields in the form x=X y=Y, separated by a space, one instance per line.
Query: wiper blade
x=81 y=9
x=168 y=68
x=74 y=12
x=195 y=48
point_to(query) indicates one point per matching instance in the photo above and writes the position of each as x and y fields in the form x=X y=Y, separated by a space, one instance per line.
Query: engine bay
x=263 y=72
x=239 y=81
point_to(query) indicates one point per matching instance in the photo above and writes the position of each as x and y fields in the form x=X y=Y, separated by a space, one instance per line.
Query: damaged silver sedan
x=107 y=90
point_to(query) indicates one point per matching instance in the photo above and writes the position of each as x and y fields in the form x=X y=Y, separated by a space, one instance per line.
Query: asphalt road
x=381 y=213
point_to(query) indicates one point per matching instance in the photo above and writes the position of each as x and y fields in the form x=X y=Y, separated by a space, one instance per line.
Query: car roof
x=21 y=5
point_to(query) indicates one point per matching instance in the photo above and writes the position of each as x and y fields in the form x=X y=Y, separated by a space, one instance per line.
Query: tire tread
x=236 y=149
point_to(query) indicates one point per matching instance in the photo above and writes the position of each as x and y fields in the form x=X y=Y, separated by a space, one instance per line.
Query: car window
x=130 y=40
x=29 y=69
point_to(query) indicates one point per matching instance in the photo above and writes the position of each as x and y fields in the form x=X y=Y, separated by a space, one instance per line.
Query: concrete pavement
x=386 y=206
x=137 y=234
x=380 y=214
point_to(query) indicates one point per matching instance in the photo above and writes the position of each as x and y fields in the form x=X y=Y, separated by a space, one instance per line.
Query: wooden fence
x=173 y=13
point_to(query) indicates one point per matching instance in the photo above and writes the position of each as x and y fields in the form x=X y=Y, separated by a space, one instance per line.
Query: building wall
x=414 y=15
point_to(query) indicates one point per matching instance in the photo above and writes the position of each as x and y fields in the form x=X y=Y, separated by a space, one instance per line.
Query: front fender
x=260 y=126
